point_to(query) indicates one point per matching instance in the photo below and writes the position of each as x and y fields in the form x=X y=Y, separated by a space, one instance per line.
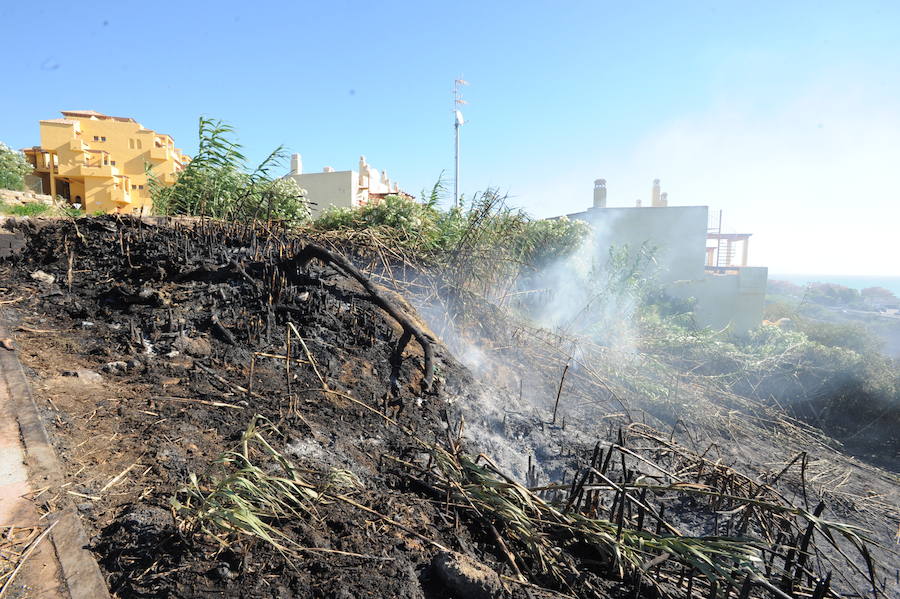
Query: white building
x=727 y=296
x=341 y=189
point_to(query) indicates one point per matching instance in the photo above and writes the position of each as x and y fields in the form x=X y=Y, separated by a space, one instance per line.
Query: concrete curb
x=80 y=571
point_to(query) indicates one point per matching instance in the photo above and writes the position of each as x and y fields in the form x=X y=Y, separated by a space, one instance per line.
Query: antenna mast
x=457 y=123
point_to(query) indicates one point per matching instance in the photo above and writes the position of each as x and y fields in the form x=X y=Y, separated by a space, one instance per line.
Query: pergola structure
x=721 y=255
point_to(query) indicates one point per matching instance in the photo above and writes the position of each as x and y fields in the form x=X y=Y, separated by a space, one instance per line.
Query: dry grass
x=251 y=490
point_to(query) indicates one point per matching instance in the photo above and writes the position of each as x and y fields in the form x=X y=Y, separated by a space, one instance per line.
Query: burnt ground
x=129 y=437
x=151 y=351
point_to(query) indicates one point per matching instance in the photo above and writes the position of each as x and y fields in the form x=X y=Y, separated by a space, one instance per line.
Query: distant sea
x=852 y=281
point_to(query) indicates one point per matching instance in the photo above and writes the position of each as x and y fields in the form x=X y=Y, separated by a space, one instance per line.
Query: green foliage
x=70 y=211
x=215 y=183
x=809 y=320
x=831 y=374
x=812 y=363
x=799 y=366
x=777 y=287
x=546 y=241
x=437 y=190
x=243 y=497
x=627 y=272
x=482 y=245
x=831 y=294
x=13 y=168
x=879 y=296
x=777 y=309
x=32 y=209
x=414 y=223
x=616 y=290
x=853 y=336
x=282 y=200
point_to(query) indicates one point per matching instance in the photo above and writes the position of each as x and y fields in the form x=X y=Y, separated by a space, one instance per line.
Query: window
x=138 y=142
x=102 y=138
x=140 y=187
x=134 y=187
x=96 y=138
x=112 y=162
x=130 y=144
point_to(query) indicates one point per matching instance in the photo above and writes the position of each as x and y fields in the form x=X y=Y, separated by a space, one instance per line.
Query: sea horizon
x=859 y=282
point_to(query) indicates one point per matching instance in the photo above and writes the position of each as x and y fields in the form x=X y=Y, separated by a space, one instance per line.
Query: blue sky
x=784 y=115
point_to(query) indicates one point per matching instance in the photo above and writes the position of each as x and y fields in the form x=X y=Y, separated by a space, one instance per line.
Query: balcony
x=42 y=166
x=40 y=160
x=89 y=170
x=160 y=154
x=121 y=196
x=71 y=169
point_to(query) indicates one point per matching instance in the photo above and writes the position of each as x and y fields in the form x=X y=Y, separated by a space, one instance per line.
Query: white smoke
x=511 y=417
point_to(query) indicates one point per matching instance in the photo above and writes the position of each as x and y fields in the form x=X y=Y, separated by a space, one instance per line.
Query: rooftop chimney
x=600 y=193
x=654 y=195
x=296 y=164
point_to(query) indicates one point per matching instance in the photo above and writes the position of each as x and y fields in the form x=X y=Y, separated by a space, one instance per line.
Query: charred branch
x=313 y=251
x=221 y=331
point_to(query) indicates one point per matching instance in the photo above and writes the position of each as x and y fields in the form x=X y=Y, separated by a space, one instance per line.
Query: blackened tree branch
x=313 y=251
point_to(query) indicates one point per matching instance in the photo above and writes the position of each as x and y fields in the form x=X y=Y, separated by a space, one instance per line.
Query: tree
x=13 y=168
x=831 y=294
x=879 y=296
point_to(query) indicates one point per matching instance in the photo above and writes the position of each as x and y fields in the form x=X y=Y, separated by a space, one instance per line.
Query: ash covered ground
x=152 y=346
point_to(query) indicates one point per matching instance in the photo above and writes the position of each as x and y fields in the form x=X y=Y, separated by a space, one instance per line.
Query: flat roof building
x=728 y=296
x=342 y=189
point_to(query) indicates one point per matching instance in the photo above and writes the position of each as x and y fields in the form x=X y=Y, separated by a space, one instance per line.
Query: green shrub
x=13 y=168
x=778 y=309
x=831 y=294
x=545 y=241
x=851 y=335
x=215 y=183
x=32 y=209
x=480 y=246
x=411 y=221
x=69 y=211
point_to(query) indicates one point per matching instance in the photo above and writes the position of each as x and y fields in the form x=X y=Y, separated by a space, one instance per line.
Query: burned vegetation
x=249 y=414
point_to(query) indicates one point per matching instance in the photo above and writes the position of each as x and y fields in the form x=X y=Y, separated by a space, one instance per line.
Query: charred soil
x=152 y=346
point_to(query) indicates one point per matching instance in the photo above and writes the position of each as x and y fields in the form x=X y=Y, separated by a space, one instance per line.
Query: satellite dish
x=459 y=117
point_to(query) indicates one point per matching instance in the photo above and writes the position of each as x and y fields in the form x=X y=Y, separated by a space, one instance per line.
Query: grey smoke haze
x=510 y=419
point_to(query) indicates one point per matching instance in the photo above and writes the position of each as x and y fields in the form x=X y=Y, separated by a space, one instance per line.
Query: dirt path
x=44 y=555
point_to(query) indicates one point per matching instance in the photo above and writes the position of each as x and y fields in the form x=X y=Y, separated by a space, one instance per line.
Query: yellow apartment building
x=99 y=161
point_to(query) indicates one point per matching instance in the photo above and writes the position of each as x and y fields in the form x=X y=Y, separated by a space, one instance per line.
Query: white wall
x=323 y=190
x=677 y=232
x=727 y=301
x=724 y=301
